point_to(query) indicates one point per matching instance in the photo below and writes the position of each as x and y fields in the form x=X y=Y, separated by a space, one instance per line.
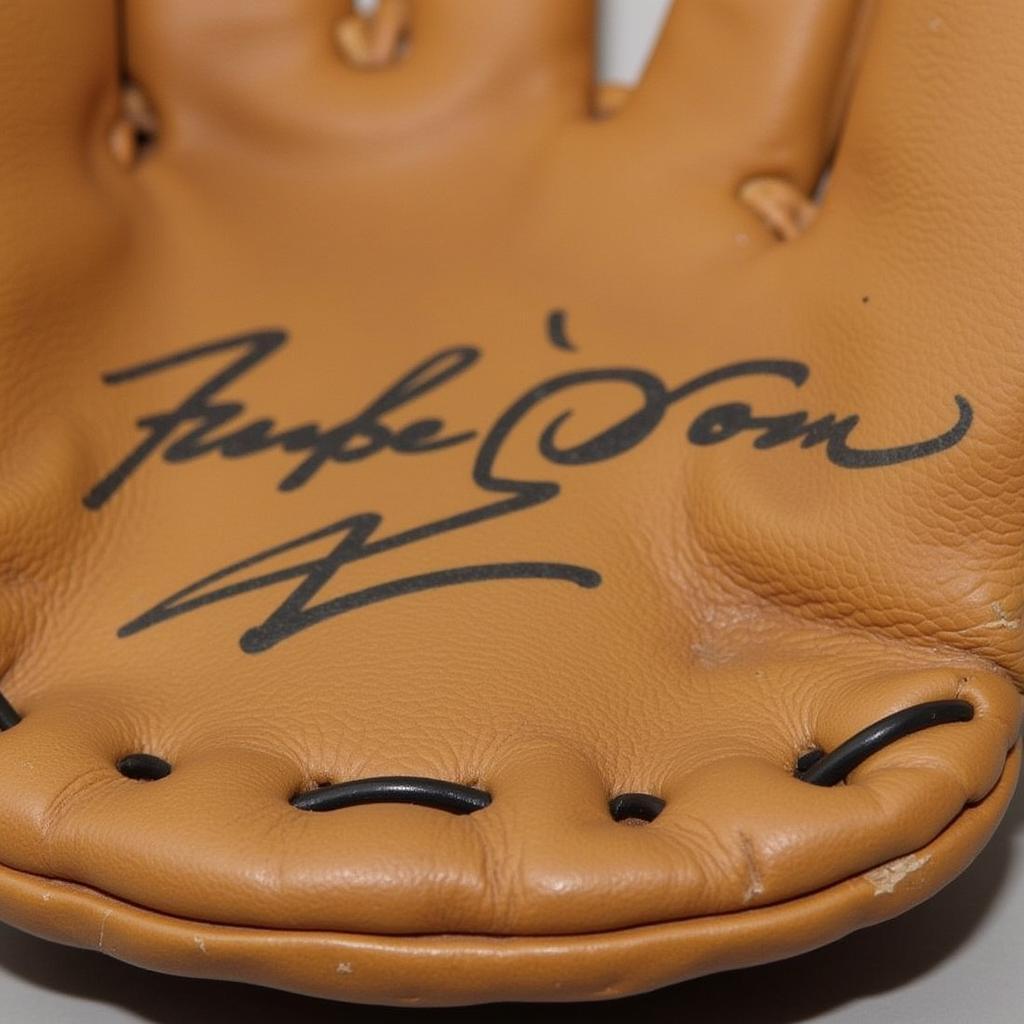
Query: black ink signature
x=364 y=435
x=359 y=537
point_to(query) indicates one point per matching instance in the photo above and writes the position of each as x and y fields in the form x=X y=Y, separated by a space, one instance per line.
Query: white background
x=957 y=959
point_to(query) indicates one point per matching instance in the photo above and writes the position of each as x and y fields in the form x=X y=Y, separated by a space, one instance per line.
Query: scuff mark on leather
x=1002 y=620
x=755 y=880
x=107 y=914
x=885 y=879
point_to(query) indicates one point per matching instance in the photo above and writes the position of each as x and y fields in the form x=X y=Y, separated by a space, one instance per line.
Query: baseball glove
x=458 y=545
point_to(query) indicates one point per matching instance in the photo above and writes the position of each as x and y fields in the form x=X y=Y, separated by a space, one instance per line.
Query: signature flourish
x=205 y=425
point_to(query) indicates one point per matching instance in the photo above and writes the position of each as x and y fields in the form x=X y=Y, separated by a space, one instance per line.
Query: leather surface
x=414 y=421
x=450 y=970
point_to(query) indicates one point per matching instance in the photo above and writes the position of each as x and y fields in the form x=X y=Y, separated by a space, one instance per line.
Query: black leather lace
x=821 y=769
x=814 y=766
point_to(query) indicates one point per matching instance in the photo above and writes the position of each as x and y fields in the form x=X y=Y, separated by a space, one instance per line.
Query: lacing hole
x=143 y=768
x=9 y=718
x=635 y=808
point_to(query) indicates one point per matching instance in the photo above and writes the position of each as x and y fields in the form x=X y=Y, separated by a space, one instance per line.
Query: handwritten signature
x=205 y=425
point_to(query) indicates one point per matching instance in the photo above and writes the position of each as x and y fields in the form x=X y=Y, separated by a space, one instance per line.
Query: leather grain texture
x=404 y=418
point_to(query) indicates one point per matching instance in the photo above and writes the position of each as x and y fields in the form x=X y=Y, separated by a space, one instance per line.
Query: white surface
x=956 y=959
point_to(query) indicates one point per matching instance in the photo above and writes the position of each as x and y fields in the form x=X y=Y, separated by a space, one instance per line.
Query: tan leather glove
x=411 y=482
